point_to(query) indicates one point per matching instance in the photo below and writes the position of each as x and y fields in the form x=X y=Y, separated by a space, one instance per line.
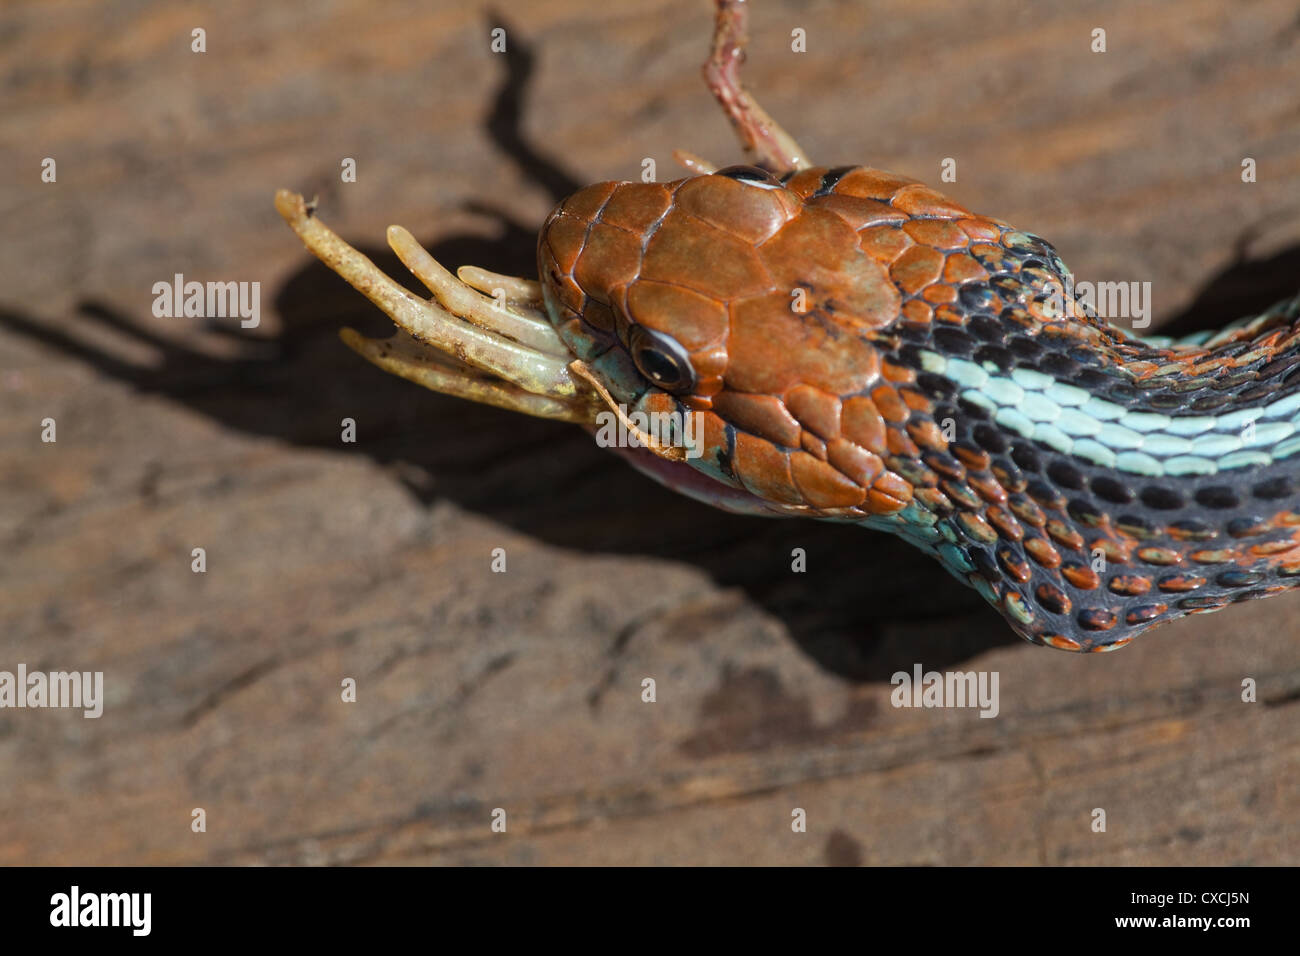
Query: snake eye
x=751 y=176
x=661 y=359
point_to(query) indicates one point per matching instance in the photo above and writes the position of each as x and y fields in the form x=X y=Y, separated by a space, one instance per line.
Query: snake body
x=1087 y=483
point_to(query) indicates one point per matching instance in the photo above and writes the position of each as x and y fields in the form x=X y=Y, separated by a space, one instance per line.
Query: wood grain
x=371 y=560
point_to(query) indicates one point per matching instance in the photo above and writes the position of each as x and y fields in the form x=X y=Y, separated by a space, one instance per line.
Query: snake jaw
x=483 y=336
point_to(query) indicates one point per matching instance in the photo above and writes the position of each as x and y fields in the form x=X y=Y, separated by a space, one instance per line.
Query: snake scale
x=857 y=347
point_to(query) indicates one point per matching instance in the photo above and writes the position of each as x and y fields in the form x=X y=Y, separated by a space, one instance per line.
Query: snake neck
x=1095 y=484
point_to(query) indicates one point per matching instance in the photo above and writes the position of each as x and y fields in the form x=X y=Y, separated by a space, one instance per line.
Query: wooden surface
x=371 y=560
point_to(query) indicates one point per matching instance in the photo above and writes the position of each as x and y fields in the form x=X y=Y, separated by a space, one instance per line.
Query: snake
x=851 y=345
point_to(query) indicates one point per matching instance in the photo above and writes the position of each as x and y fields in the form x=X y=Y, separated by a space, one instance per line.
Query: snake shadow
x=867 y=606
x=1247 y=286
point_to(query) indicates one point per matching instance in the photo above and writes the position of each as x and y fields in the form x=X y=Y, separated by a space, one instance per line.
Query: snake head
x=734 y=298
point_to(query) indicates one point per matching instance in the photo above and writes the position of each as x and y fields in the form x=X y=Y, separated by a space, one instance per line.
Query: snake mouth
x=483 y=336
